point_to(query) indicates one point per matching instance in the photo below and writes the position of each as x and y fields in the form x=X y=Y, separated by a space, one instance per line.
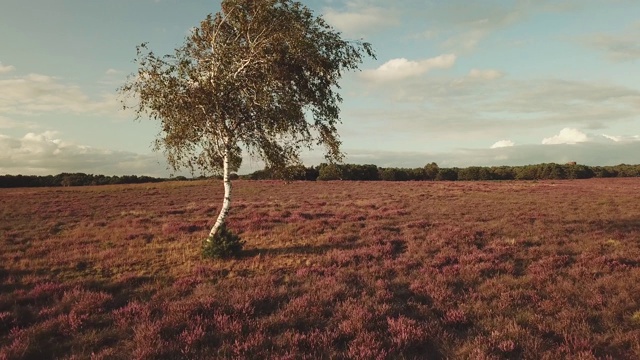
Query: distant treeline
x=353 y=172
x=432 y=171
x=72 y=179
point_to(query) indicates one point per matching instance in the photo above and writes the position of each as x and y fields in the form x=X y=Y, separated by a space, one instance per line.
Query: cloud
x=487 y=74
x=47 y=154
x=401 y=68
x=359 y=18
x=457 y=108
x=6 y=68
x=36 y=94
x=622 y=138
x=587 y=153
x=112 y=78
x=502 y=143
x=465 y=25
x=471 y=23
x=566 y=136
x=617 y=47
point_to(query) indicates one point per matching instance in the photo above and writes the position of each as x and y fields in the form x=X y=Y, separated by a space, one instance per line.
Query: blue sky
x=456 y=82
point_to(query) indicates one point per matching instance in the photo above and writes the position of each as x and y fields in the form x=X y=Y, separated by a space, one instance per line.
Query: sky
x=456 y=82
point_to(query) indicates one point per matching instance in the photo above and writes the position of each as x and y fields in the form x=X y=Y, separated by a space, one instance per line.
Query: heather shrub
x=430 y=271
x=223 y=244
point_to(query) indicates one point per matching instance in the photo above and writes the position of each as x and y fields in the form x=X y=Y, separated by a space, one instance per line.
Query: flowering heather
x=330 y=270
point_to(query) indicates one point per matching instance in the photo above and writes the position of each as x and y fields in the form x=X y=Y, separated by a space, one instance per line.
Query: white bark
x=227 y=196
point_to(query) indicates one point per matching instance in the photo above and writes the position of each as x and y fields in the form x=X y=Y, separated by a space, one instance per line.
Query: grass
x=335 y=270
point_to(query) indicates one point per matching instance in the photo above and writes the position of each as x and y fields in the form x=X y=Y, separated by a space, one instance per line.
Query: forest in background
x=353 y=172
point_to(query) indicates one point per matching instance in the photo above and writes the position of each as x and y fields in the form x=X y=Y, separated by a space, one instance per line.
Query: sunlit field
x=330 y=270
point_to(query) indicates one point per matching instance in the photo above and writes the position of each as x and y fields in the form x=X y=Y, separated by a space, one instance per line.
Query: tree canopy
x=260 y=76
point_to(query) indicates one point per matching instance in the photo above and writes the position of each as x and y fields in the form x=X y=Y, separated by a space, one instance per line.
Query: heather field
x=330 y=270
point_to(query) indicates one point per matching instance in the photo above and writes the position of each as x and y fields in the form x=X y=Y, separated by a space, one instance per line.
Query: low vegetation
x=334 y=270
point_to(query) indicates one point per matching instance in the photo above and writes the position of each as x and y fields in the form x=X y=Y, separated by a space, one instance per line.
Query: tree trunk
x=227 y=197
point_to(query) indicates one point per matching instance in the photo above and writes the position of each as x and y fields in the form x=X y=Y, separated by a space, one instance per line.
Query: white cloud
x=486 y=74
x=401 y=68
x=613 y=138
x=46 y=153
x=6 y=68
x=359 y=18
x=622 y=138
x=43 y=143
x=35 y=94
x=566 y=136
x=502 y=144
x=112 y=78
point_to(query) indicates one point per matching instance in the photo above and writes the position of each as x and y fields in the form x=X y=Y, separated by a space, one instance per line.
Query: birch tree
x=259 y=78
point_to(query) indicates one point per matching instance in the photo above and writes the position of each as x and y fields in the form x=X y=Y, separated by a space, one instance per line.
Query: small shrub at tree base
x=223 y=244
